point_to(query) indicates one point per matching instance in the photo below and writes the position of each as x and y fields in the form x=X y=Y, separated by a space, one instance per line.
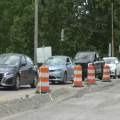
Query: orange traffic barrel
x=106 y=74
x=77 y=76
x=43 y=84
x=91 y=74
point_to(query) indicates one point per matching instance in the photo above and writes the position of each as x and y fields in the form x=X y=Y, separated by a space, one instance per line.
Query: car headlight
x=112 y=67
x=58 y=70
x=8 y=73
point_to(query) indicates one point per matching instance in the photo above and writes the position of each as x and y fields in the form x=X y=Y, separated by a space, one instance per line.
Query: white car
x=113 y=63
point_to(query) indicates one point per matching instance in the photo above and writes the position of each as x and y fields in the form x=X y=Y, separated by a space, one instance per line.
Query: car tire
x=17 y=83
x=83 y=78
x=118 y=76
x=115 y=75
x=65 y=78
x=35 y=81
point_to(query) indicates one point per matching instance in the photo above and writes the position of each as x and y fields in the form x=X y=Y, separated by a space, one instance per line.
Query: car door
x=70 y=70
x=23 y=70
x=30 y=67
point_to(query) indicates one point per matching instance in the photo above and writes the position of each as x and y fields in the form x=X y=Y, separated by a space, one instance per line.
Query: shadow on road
x=11 y=89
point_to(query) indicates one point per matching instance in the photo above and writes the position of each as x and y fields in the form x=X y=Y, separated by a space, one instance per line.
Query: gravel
x=11 y=107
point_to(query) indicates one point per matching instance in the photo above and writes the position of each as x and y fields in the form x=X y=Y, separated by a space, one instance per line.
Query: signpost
x=62 y=35
x=109 y=50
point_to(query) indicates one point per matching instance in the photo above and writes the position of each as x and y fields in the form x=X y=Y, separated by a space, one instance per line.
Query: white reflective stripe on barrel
x=43 y=74
x=91 y=71
x=77 y=79
x=43 y=83
x=106 y=70
x=91 y=77
x=106 y=75
x=77 y=72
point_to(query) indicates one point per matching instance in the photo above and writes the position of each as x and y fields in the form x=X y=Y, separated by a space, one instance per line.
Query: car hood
x=82 y=60
x=6 y=68
x=111 y=65
x=54 y=67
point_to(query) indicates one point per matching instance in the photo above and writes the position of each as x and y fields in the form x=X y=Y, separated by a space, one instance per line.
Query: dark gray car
x=17 y=69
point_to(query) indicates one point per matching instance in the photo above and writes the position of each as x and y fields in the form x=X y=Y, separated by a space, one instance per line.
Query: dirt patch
x=11 y=107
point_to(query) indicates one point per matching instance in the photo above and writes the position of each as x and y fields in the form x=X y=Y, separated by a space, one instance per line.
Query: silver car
x=61 y=69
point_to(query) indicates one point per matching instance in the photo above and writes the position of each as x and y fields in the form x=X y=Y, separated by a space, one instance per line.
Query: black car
x=86 y=58
x=17 y=69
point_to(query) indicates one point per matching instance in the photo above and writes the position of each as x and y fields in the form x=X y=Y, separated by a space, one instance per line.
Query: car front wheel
x=115 y=75
x=35 y=81
x=17 y=82
x=65 y=78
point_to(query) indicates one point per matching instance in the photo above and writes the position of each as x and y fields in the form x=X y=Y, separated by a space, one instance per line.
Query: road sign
x=109 y=50
x=43 y=53
x=62 y=35
x=119 y=49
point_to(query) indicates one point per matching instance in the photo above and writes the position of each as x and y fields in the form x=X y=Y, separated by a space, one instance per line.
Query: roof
x=110 y=58
x=12 y=54
x=86 y=51
x=60 y=56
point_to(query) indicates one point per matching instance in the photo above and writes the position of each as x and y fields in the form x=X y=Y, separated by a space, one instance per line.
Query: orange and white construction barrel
x=91 y=74
x=77 y=76
x=43 y=84
x=106 y=74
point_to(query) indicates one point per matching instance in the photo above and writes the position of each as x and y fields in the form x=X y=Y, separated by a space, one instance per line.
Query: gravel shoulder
x=18 y=106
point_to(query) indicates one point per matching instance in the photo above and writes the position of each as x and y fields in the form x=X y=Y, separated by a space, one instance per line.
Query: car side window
x=23 y=61
x=68 y=60
x=29 y=61
x=97 y=56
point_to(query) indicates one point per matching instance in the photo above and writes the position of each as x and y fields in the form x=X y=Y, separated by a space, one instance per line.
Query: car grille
x=52 y=77
x=84 y=65
x=51 y=70
x=1 y=76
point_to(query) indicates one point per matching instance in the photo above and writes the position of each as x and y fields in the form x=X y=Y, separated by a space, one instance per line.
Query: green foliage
x=86 y=26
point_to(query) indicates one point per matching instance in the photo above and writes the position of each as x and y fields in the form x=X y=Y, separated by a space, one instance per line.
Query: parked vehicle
x=118 y=72
x=61 y=69
x=17 y=69
x=112 y=62
x=86 y=58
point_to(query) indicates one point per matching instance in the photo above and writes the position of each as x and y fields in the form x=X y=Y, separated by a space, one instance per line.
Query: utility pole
x=112 y=33
x=36 y=32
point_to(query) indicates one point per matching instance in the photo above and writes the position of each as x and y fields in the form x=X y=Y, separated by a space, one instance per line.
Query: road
x=101 y=105
x=7 y=93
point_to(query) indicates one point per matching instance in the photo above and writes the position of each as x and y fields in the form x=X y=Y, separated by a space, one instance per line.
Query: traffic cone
x=43 y=84
x=77 y=76
x=91 y=74
x=106 y=74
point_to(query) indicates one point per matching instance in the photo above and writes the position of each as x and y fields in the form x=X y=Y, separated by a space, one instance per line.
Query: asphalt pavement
x=102 y=104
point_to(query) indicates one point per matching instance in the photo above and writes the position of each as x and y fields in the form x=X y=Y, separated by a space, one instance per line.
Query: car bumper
x=7 y=80
x=84 y=72
x=56 y=76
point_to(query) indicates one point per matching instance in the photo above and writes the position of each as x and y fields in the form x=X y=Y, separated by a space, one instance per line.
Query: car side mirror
x=96 y=59
x=116 y=62
x=22 y=64
x=68 y=63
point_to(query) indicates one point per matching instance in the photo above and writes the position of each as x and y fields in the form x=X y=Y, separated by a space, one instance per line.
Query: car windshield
x=9 y=60
x=55 y=61
x=88 y=56
x=109 y=61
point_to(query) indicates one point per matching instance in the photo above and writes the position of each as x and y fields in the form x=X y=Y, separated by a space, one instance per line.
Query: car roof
x=6 y=54
x=87 y=52
x=61 y=56
x=110 y=58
